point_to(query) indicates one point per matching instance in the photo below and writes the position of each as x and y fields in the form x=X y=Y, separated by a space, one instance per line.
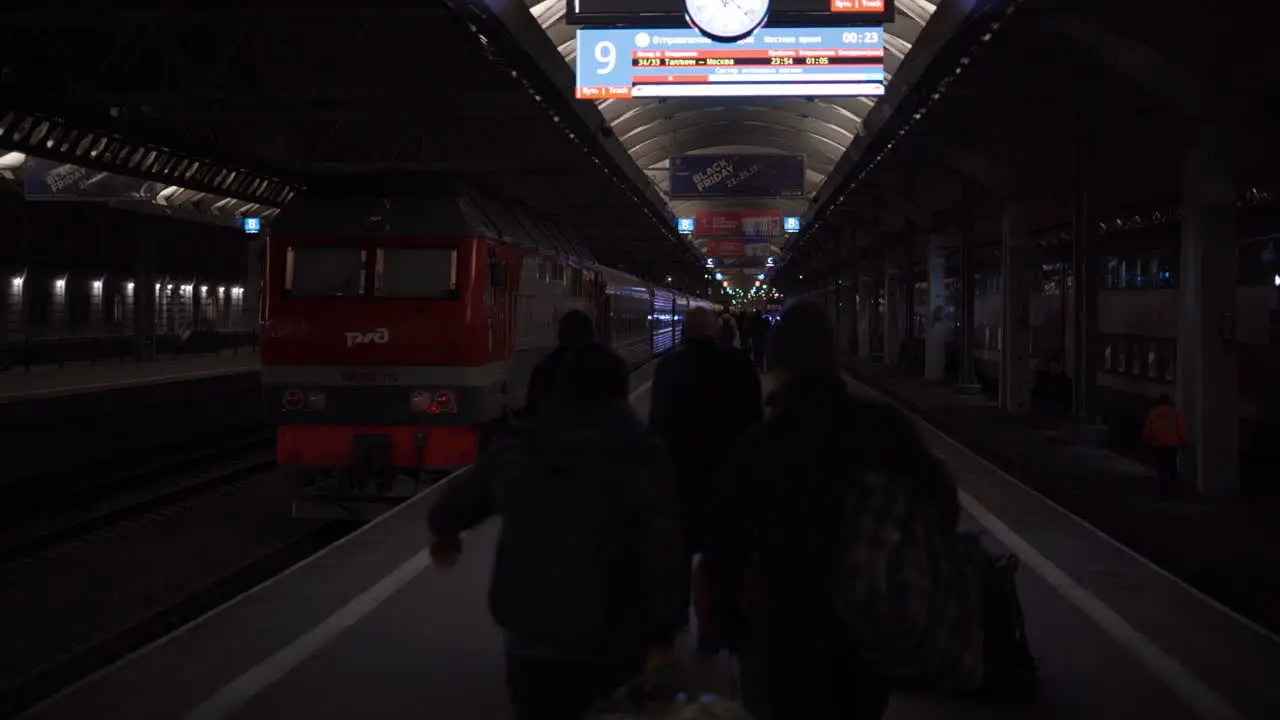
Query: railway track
x=41 y=523
x=89 y=579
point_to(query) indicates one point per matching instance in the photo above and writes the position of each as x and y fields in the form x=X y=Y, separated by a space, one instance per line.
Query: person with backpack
x=704 y=397
x=589 y=582
x=778 y=524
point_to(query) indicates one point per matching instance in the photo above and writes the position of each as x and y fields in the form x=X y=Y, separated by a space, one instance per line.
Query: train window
x=1259 y=262
x=416 y=272
x=575 y=282
x=320 y=272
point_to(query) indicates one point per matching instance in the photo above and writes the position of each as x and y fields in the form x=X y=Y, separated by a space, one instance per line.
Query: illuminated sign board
x=253 y=225
x=736 y=175
x=791 y=223
x=671 y=13
x=684 y=225
x=774 y=62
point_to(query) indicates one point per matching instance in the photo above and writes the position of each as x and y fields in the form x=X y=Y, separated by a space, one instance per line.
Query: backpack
x=562 y=567
x=1009 y=667
x=907 y=597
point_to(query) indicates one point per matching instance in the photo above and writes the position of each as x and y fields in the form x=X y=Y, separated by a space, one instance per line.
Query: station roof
x=821 y=129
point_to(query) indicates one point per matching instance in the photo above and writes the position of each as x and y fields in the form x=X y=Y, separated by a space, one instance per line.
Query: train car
x=398 y=330
x=1138 y=309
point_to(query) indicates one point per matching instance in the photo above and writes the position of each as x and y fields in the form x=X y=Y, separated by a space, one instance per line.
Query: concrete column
x=144 y=297
x=846 y=332
x=967 y=380
x=935 y=340
x=254 y=268
x=1015 y=348
x=866 y=295
x=894 y=307
x=1207 y=375
x=1086 y=267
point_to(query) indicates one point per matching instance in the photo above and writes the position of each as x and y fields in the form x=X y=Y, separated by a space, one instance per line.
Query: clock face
x=727 y=20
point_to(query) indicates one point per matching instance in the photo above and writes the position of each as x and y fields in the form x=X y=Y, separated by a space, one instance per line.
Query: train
x=399 y=331
x=1137 y=330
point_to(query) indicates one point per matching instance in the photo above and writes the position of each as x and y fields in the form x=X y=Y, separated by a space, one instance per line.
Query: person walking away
x=1165 y=432
x=774 y=529
x=760 y=327
x=589 y=576
x=728 y=332
x=575 y=331
x=704 y=397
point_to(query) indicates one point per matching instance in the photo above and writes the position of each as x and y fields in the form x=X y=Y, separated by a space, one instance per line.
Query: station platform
x=1225 y=547
x=368 y=628
x=44 y=381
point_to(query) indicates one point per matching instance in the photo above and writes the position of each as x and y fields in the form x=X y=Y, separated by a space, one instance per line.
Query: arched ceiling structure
x=820 y=129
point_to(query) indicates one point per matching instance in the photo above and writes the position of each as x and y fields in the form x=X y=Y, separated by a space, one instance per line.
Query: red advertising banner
x=738 y=223
x=726 y=247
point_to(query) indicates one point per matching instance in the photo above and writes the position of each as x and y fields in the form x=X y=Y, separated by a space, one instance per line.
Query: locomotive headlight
x=444 y=403
x=420 y=401
x=436 y=403
x=303 y=400
x=293 y=400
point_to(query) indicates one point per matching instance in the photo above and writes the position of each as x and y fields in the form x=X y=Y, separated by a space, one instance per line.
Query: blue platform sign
x=253 y=225
x=736 y=176
x=684 y=225
x=791 y=223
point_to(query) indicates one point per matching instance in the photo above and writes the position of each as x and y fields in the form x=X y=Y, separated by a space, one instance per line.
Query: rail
x=49 y=350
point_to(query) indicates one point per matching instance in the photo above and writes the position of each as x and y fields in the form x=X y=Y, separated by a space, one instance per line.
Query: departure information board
x=774 y=62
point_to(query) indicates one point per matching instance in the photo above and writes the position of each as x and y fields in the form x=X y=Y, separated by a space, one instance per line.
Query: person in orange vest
x=1166 y=433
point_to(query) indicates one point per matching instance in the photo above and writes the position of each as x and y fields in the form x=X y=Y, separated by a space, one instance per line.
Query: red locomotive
x=398 y=330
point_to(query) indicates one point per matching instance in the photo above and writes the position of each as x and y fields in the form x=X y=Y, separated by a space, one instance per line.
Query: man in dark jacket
x=777 y=509
x=760 y=327
x=575 y=331
x=704 y=397
x=589 y=575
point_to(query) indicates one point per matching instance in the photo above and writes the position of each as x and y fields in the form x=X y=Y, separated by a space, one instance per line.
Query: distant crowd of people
x=608 y=523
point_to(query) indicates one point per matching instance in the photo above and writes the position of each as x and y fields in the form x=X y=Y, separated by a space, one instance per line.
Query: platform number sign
x=684 y=225
x=253 y=225
x=791 y=224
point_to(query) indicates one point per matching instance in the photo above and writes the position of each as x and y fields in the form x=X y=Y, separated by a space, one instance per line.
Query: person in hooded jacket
x=575 y=331
x=772 y=529
x=704 y=397
x=588 y=581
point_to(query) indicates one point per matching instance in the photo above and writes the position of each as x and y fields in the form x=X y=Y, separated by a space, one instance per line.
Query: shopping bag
x=666 y=694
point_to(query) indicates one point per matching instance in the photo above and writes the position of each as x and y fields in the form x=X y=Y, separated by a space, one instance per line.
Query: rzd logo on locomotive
x=380 y=336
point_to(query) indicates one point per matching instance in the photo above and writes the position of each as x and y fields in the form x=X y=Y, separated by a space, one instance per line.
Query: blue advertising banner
x=737 y=176
x=53 y=180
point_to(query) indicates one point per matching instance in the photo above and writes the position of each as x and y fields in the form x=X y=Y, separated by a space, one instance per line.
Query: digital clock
x=862 y=36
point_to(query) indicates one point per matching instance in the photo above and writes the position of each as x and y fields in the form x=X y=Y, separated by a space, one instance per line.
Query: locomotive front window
x=324 y=272
x=416 y=272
